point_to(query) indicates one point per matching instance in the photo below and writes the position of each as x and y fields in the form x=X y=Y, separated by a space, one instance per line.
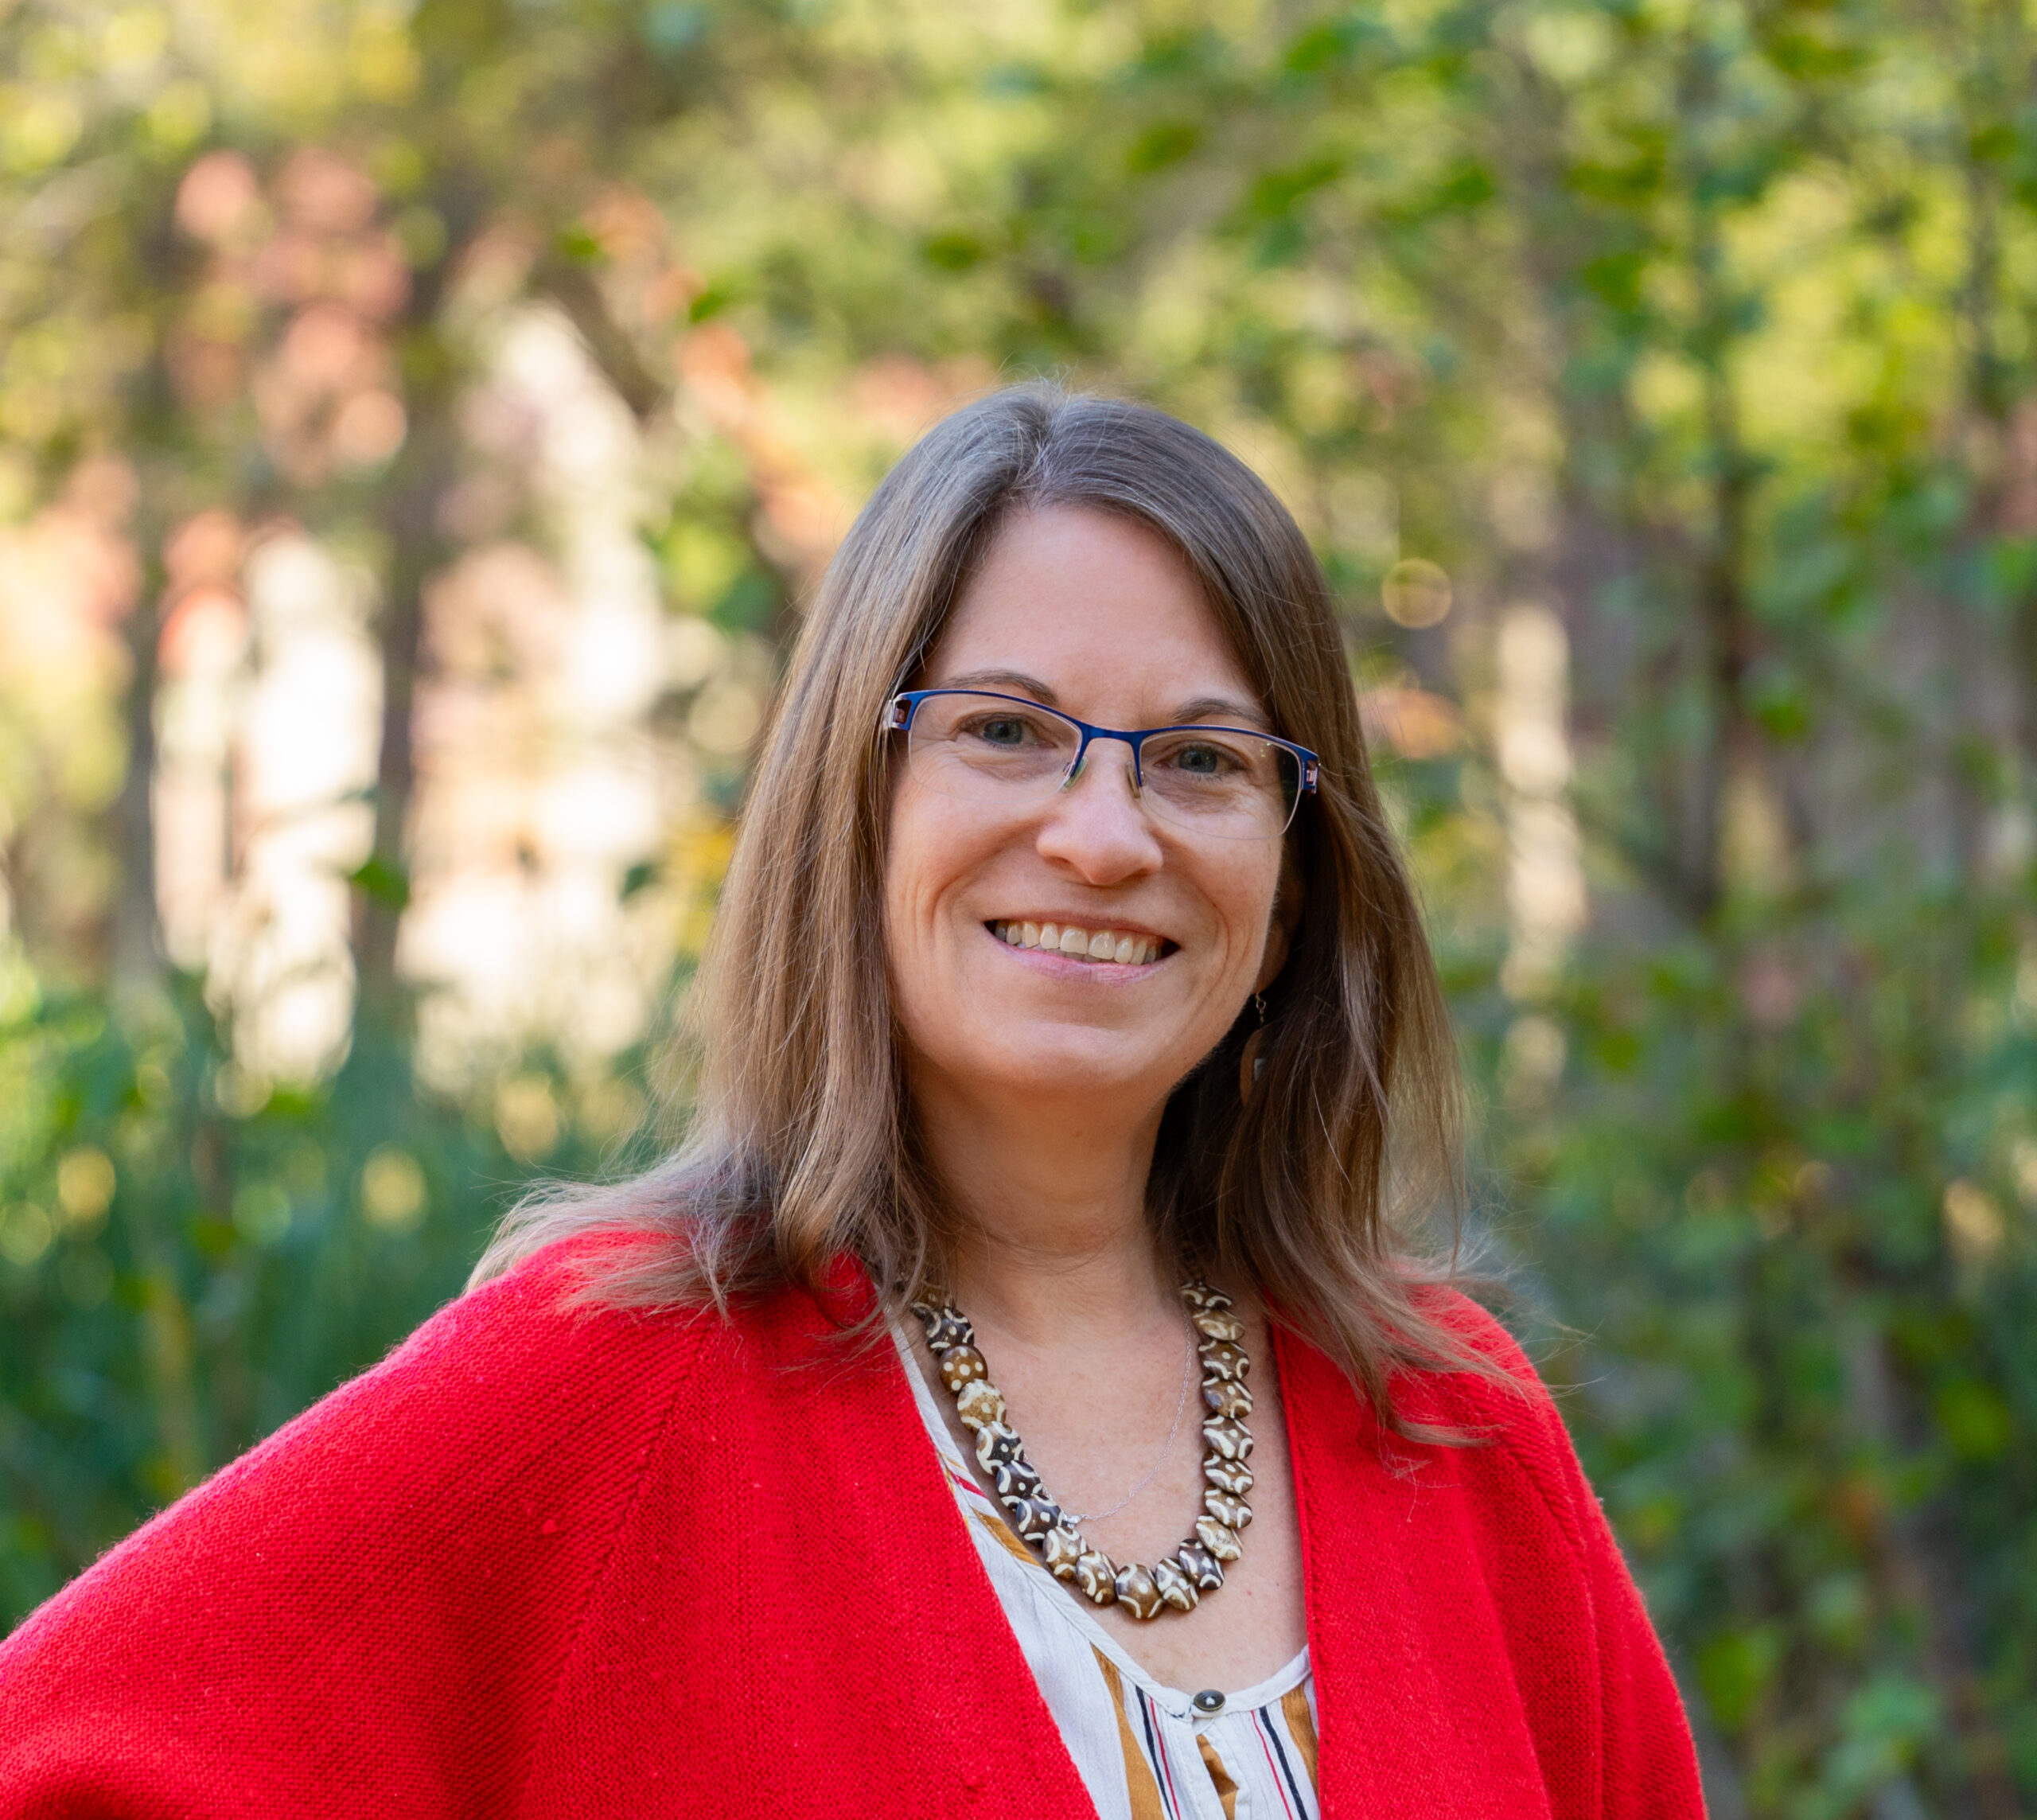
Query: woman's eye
x=1202 y=761
x=1000 y=732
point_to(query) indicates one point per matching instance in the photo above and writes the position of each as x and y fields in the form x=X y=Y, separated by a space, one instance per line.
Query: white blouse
x=1145 y=1752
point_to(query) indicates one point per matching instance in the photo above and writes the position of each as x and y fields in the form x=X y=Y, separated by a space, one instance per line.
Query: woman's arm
x=1607 y=1718
x=1649 y=1763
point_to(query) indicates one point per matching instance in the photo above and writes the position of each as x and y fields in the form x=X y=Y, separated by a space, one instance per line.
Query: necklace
x=1167 y=1447
x=1178 y=1580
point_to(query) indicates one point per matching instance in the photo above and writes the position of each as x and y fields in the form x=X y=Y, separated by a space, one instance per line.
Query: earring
x=1250 y=1061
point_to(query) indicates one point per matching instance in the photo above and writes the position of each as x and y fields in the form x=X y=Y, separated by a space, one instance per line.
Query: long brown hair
x=801 y=1148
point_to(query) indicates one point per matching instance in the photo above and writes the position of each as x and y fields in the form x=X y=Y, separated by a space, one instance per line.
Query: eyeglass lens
x=1225 y=784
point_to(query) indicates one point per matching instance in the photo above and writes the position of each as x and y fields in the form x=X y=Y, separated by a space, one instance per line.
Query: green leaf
x=955 y=250
x=383 y=882
x=1165 y=142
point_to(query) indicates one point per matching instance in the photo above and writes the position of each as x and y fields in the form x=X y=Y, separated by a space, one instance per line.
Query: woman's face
x=1099 y=617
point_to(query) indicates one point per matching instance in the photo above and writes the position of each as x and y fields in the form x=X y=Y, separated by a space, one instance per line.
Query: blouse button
x=1208 y=1700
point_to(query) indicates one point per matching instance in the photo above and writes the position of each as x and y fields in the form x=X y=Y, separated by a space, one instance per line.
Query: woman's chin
x=1058 y=1065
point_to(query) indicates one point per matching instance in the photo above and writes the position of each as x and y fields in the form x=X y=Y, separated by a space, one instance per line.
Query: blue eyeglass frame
x=898 y=719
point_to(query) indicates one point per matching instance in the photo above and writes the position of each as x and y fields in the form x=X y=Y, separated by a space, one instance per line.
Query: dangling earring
x=1250 y=1061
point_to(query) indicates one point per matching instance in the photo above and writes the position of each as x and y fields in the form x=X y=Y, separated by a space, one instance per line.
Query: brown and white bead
x=1200 y=1296
x=1137 y=1591
x=1221 y=1358
x=1231 y=1476
x=1096 y=1576
x=1223 y=1436
x=1175 y=1587
x=981 y=1403
x=1227 y=1398
x=944 y=1327
x=962 y=1364
x=1233 y=1513
x=997 y=1442
x=1061 y=1548
x=1218 y=1324
x=1219 y=1538
x=1016 y=1478
x=1032 y=1517
x=1205 y=1572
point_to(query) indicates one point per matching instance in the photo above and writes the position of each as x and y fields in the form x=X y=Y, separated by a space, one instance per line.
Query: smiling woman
x=1071 y=1058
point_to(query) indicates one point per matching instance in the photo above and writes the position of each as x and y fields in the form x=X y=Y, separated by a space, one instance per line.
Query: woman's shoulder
x=1484 y=1335
x=1468 y=1420
x=517 y=1408
x=396 y=1578
x=406 y=1561
x=524 y=1373
x=1511 y=1438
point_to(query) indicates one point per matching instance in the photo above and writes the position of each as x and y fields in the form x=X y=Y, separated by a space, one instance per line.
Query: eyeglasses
x=1224 y=783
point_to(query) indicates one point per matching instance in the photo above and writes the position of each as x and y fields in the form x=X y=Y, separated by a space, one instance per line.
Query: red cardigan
x=545 y=1563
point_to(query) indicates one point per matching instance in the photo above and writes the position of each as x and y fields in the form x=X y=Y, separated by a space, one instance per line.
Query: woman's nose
x=1096 y=825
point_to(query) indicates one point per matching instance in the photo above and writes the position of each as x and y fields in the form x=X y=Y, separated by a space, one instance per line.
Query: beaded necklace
x=1178 y=1581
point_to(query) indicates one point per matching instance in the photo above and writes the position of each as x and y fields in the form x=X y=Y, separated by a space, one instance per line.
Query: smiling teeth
x=1115 y=945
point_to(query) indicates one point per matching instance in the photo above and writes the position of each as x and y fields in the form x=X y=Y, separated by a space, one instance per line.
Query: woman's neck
x=1055 y=1246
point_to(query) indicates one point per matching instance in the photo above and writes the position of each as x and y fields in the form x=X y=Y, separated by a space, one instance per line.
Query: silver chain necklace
x=1166 y=1448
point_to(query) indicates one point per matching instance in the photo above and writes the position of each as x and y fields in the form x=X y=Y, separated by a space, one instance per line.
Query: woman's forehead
x=1074 y=607
x=1228 y=706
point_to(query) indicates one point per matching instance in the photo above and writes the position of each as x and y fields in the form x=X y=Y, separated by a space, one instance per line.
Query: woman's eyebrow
x=1209 y=708
x=1201 y=711
x=1004 y=680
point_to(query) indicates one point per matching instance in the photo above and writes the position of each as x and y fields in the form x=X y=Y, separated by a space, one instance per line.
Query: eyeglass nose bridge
x=1089 y=736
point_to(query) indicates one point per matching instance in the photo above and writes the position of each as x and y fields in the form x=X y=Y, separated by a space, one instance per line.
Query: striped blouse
x=1144 y=1750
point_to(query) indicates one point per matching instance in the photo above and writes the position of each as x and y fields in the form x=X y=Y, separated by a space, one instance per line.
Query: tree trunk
x=138 y=951
x=425 y=471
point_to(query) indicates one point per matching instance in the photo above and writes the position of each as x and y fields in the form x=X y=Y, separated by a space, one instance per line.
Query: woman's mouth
x=1119 y=948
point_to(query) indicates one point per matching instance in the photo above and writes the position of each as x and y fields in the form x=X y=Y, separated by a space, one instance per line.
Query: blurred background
x=421 y=421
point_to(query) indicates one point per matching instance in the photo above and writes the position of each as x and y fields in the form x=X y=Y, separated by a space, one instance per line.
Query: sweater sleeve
x=1636 y=1741
x=1650 y=1770
x=368 y=1614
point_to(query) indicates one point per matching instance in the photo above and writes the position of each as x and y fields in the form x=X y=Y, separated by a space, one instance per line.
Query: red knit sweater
x=538 y=1563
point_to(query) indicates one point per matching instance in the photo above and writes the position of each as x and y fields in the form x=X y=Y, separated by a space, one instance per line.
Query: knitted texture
x=544 y=1562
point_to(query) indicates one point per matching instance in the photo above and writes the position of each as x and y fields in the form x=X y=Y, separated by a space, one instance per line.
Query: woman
x=1012 y=1400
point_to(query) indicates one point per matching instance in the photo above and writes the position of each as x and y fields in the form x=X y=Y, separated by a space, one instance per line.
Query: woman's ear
x=1280 y=928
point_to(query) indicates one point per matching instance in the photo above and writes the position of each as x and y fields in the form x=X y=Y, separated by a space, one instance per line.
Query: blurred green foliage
x=1701 y=328
x=188 y=1255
